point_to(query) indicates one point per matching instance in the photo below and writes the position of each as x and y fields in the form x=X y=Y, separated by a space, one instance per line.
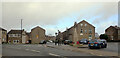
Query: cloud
x=0 y=14
x=51 y=13
x=103 y=26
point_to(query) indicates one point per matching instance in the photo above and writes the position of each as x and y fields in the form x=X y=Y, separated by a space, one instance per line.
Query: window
x=19 y=35
x=81 y=31
x=90 y=31
x=13 y=35
x=90 y=35
x=85 y=24
x=16 y=35
x=85 y=31
x=10 y=35
x=14 y=41
x=17 y=41
x=81 y=24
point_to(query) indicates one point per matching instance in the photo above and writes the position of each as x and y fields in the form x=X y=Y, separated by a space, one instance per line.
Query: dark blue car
x=83 y=41
x=97 y=43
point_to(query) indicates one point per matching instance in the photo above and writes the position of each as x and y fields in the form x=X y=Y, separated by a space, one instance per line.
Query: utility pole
x=21 y=28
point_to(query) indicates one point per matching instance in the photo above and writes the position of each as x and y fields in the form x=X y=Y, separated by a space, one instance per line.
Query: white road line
x=26 y=49
x=92 y=53
x=99 y=55
x=33 y=50
x=37 y=51
x=53 y=54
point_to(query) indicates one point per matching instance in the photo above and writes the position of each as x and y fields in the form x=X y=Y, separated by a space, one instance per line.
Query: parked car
x=97 y=43
x=68 y=42
x=83 y=41
x=42 y=42
x=104 y=43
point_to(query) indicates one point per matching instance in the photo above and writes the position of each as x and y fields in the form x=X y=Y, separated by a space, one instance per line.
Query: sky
x=54 y=16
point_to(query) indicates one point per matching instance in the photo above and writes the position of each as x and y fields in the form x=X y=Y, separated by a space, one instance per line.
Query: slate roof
x=14 y=32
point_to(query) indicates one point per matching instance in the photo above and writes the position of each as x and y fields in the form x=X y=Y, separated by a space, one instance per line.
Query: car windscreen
x=83 y=39
x=103 y=41
x=93 y=41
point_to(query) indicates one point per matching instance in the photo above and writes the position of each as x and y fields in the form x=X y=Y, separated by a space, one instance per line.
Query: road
x=111 y=46
x=37 y=50
x=43 y=50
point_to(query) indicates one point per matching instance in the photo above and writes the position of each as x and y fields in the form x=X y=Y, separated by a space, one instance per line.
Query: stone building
x=14 y=36
x=37 y=34
x=50 y=37
x=0 y=36
x=113 y=32
x=81 y=30
x=28 y=37
x=97 y=36
x=3 y=35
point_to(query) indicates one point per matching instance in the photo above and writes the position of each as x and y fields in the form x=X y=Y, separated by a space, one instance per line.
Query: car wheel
x=105 y=46
x=90 y=47
x=99 y=46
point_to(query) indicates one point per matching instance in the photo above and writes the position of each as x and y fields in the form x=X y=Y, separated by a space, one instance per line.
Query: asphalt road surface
x=37 y=50
x=43 y=50
x=111 y=46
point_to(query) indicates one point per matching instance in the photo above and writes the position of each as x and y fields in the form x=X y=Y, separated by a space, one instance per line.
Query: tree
x=104 y=36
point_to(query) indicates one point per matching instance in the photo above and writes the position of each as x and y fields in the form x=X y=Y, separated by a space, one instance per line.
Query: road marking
x=26 y=49
x=99 y=55
x=37 y=51
x=33 y=50
x=92 y=53
x=53 y=54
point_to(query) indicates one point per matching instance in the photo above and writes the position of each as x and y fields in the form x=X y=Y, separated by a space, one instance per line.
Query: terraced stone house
x=3 y=35
x=37 y=34
x=81 y=30
x=14 y=36
x=113 y=33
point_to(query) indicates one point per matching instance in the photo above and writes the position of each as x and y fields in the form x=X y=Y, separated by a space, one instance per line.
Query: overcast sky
x=53 y=16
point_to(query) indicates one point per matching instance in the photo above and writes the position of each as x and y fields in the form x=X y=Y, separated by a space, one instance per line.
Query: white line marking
x=92 y=53
x=99 y=55
x=26 y=49
x=37 y=51
x=33 y=50
x=53 y=54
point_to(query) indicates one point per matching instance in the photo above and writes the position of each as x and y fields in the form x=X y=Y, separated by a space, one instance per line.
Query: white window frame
x=85 y=24
x=81 y=24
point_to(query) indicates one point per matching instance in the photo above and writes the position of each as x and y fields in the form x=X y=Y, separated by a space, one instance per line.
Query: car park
x=97 y=43
x=83 y=41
